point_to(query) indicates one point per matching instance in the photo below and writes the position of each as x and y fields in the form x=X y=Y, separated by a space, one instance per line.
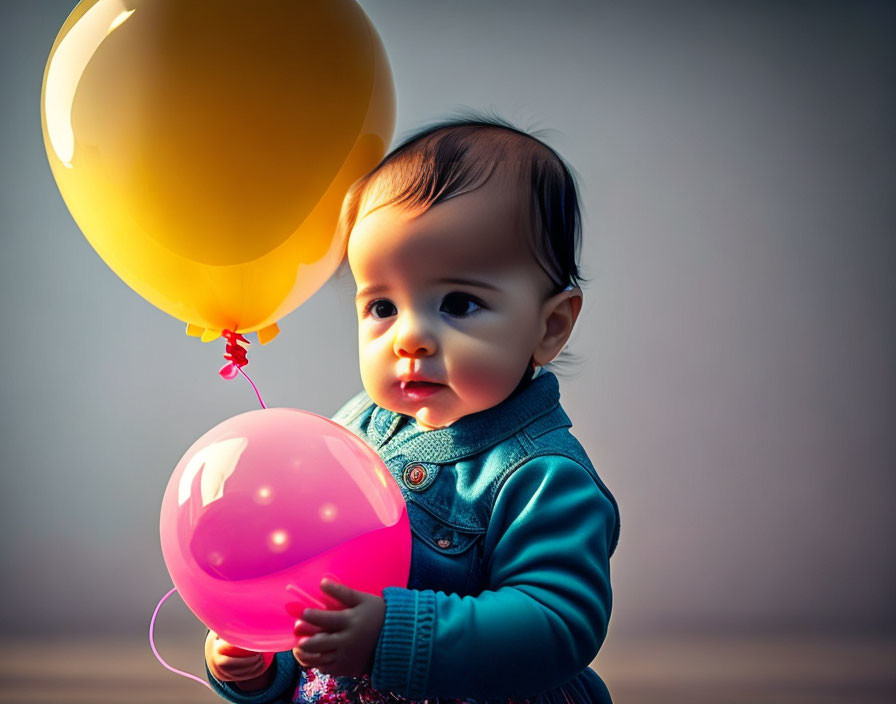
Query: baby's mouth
x=419 y=389
x=419 y=385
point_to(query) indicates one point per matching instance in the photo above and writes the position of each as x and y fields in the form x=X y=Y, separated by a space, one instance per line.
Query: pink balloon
x=267 y=503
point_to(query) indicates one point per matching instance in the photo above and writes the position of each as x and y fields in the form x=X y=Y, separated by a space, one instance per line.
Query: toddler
x=463 y=245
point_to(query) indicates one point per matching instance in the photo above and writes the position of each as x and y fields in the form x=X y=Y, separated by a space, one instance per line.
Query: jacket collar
x=474 y=433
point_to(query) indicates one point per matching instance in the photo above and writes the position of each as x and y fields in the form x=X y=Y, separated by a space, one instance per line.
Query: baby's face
x=448 y=304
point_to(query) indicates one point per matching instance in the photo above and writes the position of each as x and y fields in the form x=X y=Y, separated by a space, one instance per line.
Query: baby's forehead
x=483 y=230
x=497 y=208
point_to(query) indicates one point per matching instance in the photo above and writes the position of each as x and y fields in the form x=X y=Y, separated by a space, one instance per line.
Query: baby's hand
x=229 y=663
x=340 y=642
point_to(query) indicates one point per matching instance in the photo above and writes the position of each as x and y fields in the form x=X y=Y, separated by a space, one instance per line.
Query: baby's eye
x=381 y=308
x=460 y=305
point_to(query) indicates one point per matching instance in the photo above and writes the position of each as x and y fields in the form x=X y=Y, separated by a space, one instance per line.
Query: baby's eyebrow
x=369 y=290
x=468 y=282
x=379 y=288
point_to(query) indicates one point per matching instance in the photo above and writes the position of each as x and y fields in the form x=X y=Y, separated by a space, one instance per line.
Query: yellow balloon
x=204 y=146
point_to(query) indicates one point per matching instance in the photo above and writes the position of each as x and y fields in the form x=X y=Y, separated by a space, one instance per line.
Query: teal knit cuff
x=285 y=678
x=401 y=663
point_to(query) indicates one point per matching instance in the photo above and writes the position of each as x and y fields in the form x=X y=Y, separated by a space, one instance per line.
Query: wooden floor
x=637 y=671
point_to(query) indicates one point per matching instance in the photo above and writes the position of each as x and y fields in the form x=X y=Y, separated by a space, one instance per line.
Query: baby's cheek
x=491 y=375
x=373 y=356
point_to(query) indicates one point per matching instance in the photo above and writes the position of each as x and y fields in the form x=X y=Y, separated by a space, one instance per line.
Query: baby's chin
x=427 y=417
x=433 y=417
x=428 y=420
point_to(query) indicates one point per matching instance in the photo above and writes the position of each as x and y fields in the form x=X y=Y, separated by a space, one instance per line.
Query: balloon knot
x=234 y=353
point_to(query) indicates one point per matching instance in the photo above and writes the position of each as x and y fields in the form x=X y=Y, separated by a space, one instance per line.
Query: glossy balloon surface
x=267 y=503
x=204 y=146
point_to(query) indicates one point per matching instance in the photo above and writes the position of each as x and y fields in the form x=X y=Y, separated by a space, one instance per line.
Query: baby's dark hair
x=459 y=155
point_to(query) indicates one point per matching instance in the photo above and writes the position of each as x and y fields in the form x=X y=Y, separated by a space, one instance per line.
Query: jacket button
x=415 y=475
x=444 y=543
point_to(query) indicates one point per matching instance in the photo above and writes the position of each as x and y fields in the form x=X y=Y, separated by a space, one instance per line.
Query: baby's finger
x=306 y=659
x=230 y=650
x=240 y=668
x=326 y=620
x=320 y=643
x=342 y=592
x=232 y=664
x=303 y=628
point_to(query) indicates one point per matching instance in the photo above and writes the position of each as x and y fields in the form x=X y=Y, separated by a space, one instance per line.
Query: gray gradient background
x=736 y=387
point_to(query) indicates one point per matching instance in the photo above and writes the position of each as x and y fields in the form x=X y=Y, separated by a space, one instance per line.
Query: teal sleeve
x=545 y=612
x=286 y=676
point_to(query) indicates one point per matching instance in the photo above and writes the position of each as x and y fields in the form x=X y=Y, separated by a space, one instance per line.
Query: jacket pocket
x=445 y=556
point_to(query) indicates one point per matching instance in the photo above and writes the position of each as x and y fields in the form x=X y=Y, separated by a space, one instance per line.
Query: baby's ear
x=558 y=317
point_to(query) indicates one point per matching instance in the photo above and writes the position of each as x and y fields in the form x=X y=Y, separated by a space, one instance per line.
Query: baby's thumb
x=233 y=651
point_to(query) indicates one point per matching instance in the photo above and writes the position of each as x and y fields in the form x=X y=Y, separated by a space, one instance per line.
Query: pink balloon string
x=152 y=644
x=236 y=357
x=260 y=400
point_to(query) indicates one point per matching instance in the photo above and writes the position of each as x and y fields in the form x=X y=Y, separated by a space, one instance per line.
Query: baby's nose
x=414 y=338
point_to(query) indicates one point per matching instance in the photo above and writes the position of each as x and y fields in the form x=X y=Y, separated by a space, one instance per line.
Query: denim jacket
x=509 y=592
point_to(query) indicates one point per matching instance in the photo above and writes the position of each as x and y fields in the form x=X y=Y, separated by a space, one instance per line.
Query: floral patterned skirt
x=315 y=687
